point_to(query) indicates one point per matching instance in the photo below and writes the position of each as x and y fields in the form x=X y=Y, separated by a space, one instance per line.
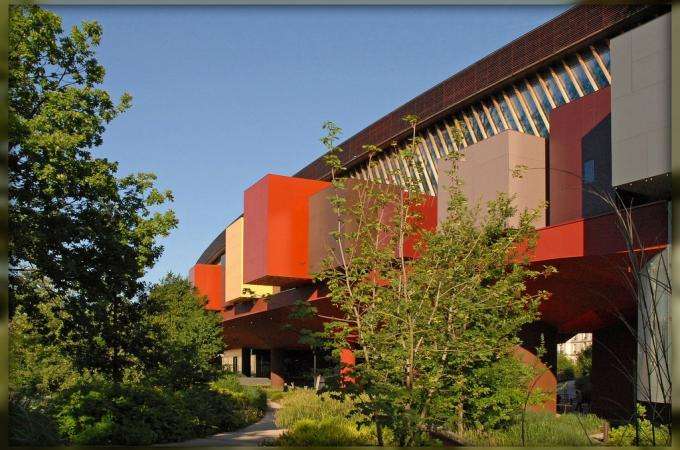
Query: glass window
x=494 y=115
x=443 y=147
x=425 y=165
x=509 y=118
x=465 y=129
x=447 y=139
x=580 y=74
x=542 y=96
x=589 y=171
x=533 y=110
x=519 y=109
x=603 y=51
x=555 y=92
x=595 y=69
x=429 y=146
x=475 y=126
x=566 y=82
x=485 y=121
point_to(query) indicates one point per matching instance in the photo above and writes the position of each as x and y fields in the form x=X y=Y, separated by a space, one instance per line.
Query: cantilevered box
x=275 y=241
x=487 y=169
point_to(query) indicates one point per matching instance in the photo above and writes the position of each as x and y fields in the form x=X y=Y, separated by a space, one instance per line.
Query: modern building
x=573 y=346
x=583 y=101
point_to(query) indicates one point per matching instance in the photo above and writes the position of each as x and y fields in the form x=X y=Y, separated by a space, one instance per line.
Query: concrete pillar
x=276 y=368
x=613 y=372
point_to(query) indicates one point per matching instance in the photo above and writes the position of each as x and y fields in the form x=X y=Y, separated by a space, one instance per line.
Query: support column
x=276 y=368
x=613 y=372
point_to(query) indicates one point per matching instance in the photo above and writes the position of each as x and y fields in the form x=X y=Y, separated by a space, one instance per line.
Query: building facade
x=582 y=102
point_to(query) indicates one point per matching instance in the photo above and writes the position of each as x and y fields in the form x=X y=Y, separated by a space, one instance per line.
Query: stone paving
x=250 y=436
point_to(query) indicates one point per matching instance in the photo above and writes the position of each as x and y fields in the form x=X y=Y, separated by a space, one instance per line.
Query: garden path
x=250 y=436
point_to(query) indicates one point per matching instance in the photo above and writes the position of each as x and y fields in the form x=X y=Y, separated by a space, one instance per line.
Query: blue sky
x=224 y=95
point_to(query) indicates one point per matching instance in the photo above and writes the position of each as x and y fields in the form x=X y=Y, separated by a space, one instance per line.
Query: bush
x=29 y=426
x=302 y=404
x=109 y=414
x=328 y=432
x=249 y=397
x=566 y=369
x=624 y=436
x=541 y=429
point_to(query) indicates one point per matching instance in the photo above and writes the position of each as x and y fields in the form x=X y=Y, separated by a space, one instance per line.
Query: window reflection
x=542 y=96
x=533 y=110
x=509 y=118
x=580 y=74
x=495 y=117
x=595 y=69
x=565 y=79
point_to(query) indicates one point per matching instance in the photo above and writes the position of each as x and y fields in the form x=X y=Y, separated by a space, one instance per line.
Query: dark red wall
x=573 y=125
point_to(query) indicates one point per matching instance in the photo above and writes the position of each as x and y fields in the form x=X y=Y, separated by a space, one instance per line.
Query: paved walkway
x=249 y=436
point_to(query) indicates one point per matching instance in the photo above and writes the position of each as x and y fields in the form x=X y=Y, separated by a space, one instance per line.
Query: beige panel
x=487 y=168
x=233 y=270
x=640 y=62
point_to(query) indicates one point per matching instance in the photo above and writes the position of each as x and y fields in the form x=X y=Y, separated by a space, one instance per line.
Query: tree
x=422 y=328
x=76 y=228
x=188 y=337
x=566 y=369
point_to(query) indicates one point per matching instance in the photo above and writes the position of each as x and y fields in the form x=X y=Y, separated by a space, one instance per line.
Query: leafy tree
x=188 y=337
x=76 y=227
x=566 y=370
x=584 y=362
x=422 y=328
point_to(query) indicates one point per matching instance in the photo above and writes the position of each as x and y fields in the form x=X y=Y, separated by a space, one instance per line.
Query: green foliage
x=187 y=338
x=303 y=404
x=253 y=396
x=325 y=419
x=37 y=367
x=542 y=429
x=496 y=392
x=328 y=432
x=584 y=362
x=87 y=235
x=135 y=414
x=649 y=434
x=28 y=426
x=422 y=327
x=566 y=369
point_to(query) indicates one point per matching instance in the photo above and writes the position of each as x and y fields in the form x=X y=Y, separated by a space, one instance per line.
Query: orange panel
x=208 y=279
x=275 y=241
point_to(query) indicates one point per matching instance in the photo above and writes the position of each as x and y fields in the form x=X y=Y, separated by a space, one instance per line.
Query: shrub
x=541 y=429
x=248 y=396
x=566 y=369
x=624 y=436
x=328 y=432
x=133 y=414
x=303 y=404
x=29 y=426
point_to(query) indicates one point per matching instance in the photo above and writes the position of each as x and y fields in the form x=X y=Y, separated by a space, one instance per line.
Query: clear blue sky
x=224 y=95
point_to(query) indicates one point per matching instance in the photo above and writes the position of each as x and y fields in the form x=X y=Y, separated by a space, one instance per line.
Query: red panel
x=208 y=279
x=275 y=241
x=427 y=221
x=601 y=236
x=568 y=125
